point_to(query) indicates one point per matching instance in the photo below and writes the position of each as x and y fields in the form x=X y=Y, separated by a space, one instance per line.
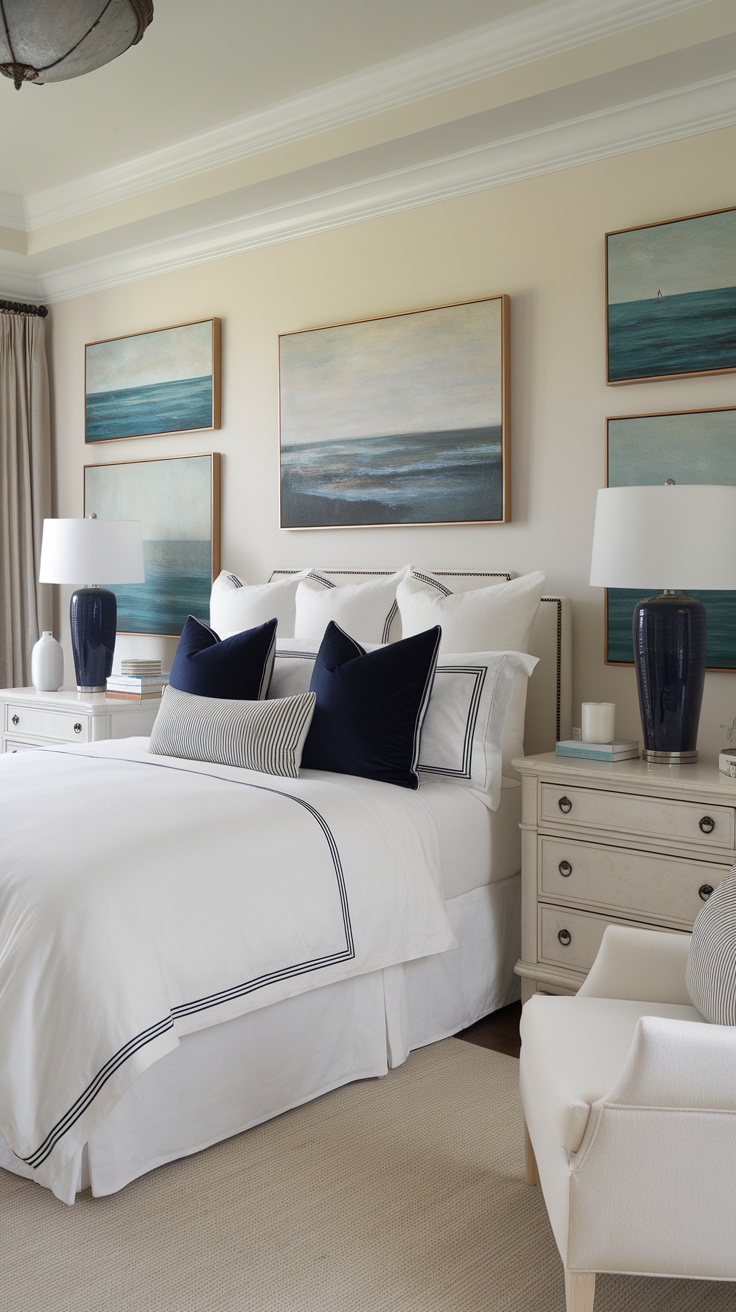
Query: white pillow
x=267 y=736
x=496 y=618
x=364 y=610
x=463 y=729
x=474 y=725
x=236 y=605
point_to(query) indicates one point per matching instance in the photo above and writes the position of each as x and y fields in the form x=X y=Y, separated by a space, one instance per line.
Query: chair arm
x=678 y=1064
x=639 y=965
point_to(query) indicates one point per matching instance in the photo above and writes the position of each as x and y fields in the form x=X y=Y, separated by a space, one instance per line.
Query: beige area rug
x=404 y=1194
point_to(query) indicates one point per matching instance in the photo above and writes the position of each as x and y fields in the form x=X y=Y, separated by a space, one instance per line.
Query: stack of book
x=622 y=749
x=138 y=680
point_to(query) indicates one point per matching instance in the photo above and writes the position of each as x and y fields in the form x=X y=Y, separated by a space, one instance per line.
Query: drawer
x=626 y=882
x=44 y=722
x=627 y=813
x=571 y=939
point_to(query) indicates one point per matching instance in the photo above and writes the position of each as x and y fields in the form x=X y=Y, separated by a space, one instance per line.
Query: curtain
x=25 y=491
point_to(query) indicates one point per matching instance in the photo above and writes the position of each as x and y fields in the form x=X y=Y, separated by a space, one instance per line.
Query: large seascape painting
x=167 y=381
x=690 y=447
x=672 y=298
x=400 y=420
x=178 y=503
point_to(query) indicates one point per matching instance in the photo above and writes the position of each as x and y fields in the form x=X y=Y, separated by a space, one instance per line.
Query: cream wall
x=542 y=242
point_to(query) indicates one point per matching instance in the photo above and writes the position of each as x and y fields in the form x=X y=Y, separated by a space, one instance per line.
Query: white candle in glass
x=599 y=722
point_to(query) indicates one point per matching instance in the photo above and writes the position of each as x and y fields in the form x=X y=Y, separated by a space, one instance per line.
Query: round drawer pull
x=565 y=805
x=565 y=937
x=77 y=727
x=705 y=891
x=707 y=824
x=565 y=869
x=16 y=719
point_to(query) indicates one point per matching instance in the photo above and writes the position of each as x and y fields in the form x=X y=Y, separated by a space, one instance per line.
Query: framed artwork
x=165 y=381
x=671 y=298
x=399 y=420
x=177 y=501
x=694 y=446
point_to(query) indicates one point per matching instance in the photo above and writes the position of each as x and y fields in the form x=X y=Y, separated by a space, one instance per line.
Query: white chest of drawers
x=38 y=719
x=630 y=843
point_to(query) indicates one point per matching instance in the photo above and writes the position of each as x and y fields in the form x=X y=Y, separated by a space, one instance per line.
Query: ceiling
x=237 y=124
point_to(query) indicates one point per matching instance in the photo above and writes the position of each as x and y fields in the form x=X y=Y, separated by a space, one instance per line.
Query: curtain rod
x=17 y=307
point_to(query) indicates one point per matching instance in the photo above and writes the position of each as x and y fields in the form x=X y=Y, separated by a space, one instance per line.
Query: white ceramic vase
x=47 y=663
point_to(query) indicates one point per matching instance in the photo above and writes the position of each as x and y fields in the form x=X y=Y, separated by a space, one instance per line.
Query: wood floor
x=499 y=1031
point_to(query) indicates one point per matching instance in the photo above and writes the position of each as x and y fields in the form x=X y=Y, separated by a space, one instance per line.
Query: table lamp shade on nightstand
x=670 y=536
x=93 y=551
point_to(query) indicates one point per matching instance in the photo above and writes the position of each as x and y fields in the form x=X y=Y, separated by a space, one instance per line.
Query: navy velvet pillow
x=370 y=706
x=238 y=667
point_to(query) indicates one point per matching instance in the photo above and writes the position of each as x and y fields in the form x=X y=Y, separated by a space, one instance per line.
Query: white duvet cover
x=143 y=897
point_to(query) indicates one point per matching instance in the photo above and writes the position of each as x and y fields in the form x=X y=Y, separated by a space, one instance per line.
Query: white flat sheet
x=477 y=846
x=155 y=897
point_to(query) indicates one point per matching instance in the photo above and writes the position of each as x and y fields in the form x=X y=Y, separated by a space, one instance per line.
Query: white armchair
x=629 y=1099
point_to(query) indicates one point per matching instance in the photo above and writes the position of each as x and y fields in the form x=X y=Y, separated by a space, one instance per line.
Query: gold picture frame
x=399 y=420
x=177 y=500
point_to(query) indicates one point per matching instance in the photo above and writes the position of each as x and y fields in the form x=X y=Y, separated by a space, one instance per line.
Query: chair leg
x=579 y=1291
x=531 y=1174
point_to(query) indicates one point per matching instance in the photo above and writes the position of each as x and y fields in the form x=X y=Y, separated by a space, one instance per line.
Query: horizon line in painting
x=396 y=421
x=163 y=381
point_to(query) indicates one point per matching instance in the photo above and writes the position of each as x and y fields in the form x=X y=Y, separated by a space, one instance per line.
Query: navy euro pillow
x=370 y=706
x=238 y=667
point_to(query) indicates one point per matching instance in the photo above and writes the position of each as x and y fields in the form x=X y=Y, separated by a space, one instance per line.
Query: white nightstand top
x=642 y=776
x=95 y=703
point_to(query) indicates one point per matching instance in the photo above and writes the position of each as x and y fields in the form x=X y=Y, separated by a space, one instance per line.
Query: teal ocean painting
x=672 y=298
x=165 y=381
x=396 y=421
x=175 y=500
x=690 y=447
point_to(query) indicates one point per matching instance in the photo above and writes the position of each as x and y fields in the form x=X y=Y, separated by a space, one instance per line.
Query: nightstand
x=37 y=719
x=626 y=843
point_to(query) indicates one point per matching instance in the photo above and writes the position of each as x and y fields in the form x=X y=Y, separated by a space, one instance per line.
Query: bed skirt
x=223 y=1080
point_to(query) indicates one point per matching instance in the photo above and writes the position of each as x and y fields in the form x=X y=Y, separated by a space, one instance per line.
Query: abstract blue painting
x=398 y=420
x=696 y=446
x=178 y=503
x=672 y=298
x=166 y=381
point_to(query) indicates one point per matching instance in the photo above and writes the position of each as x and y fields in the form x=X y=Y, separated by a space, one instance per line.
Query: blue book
x=622 y=749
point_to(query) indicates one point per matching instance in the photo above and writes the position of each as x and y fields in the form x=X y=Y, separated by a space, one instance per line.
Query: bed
x=389 y=920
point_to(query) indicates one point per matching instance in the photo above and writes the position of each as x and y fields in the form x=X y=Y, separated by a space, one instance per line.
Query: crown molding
x=639 y=124
x=544 y=29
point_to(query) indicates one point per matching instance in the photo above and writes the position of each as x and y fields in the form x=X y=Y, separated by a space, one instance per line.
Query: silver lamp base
x=669 y=758
x=100 y=687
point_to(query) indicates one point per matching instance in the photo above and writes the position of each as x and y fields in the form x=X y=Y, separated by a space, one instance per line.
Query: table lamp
x=96 y=551
x=671 y=536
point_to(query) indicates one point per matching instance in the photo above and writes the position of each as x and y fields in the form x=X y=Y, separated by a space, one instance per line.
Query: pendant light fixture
x=49 y=42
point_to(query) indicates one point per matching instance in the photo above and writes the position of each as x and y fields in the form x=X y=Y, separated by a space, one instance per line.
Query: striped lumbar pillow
x=711 y=962
x=266 y=735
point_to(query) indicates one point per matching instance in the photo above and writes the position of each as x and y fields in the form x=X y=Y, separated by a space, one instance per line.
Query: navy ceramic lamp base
x=93 y=616
x=669 y=655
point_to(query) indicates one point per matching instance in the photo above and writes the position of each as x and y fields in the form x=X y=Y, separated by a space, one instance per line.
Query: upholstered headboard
x=549 y=697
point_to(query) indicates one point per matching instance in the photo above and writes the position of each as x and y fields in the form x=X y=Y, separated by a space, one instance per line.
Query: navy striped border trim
x=295 y=655
x=320 y=578
x=478 y=673
x=389 y=620
x=70 y=1117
